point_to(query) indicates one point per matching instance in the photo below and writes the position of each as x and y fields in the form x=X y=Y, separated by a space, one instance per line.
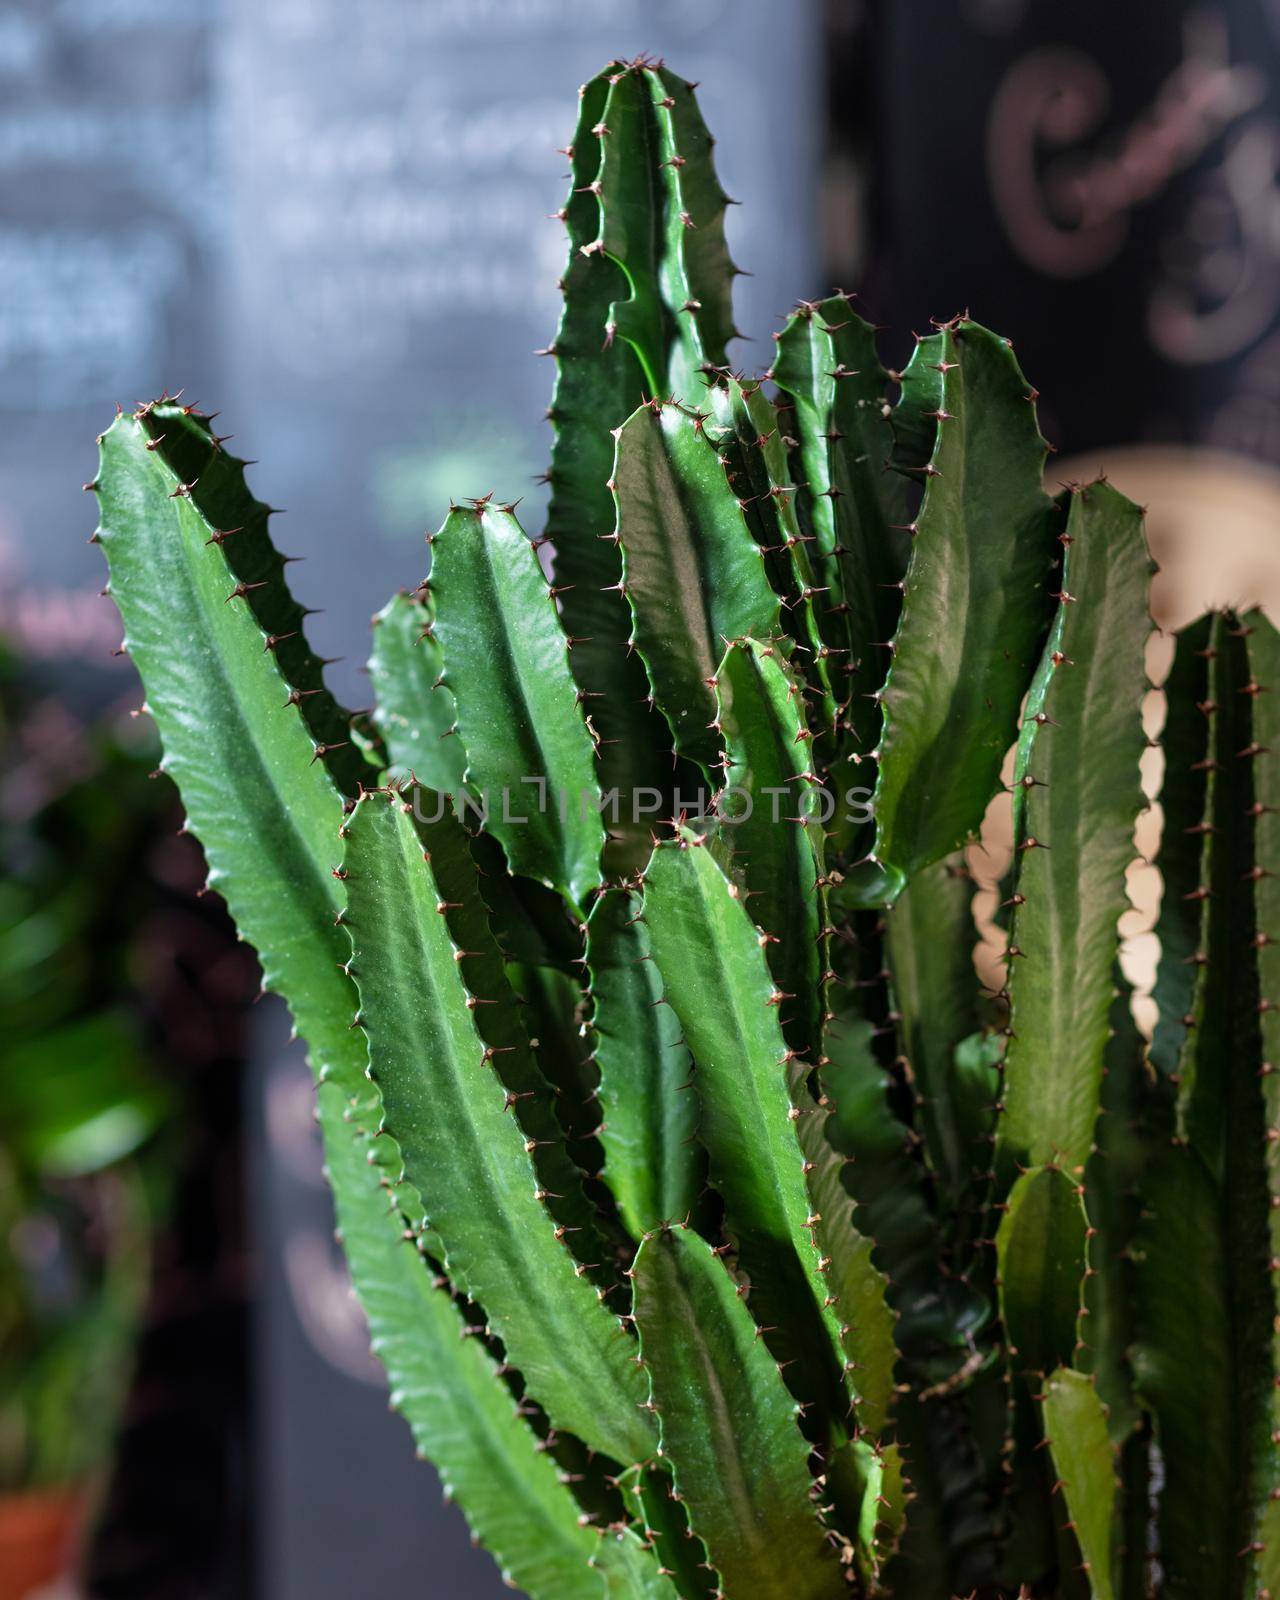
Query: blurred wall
x=112 y=213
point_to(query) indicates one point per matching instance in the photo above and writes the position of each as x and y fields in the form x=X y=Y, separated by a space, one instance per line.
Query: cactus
x=718 y=1233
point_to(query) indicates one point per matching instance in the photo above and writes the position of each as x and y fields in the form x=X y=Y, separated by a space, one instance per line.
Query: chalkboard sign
x=111 y=220
x=1103 y=182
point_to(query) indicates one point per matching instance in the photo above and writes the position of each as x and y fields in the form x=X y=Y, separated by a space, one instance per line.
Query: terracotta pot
x=39 y=1539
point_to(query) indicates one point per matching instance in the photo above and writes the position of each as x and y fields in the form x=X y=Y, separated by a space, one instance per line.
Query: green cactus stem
x=505 y=659
x=727 y=1424
x=653 y=1162
x=1207 y=1214
x=415 y=713
x=774 y=798
x=1067 y=903
x=722 y=1239
x=691 y=570
x=981 y=544
x=421 y=999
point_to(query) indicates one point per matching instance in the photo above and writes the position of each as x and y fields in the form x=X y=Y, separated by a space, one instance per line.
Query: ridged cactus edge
x=719 y=1234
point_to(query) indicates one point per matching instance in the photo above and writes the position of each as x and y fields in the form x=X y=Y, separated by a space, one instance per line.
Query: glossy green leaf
x=1079 y=792
x=973 y=612
x=529 y=747
x=1075 y=1423
x=694 y=575
x=449 y=1112
x=1041 y=1258
x=78 y=1097
x=828 y=368
x=650 y=1111
x=415 y=712
x=449 y=1389
x=773 y=804
x=727 y=1426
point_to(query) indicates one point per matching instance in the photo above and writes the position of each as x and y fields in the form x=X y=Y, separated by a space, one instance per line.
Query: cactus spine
x=718 y=1234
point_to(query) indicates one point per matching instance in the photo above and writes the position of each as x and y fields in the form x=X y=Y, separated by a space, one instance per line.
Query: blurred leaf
x=78 y=1099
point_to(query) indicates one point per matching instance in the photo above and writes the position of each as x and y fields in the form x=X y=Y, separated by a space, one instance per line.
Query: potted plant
x=78 y=1104
x=718 y=1231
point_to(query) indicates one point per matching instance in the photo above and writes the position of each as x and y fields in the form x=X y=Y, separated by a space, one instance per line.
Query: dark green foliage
x=692 y=572
x=1206 y=1309
x=1040 y=1254
x=727 y=1423
x=653 y=1162
x=982 y=548
x=82 y=1108
x=790 y=1263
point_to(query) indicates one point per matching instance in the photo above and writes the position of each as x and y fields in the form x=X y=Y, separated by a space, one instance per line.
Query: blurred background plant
x=81 y=1106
